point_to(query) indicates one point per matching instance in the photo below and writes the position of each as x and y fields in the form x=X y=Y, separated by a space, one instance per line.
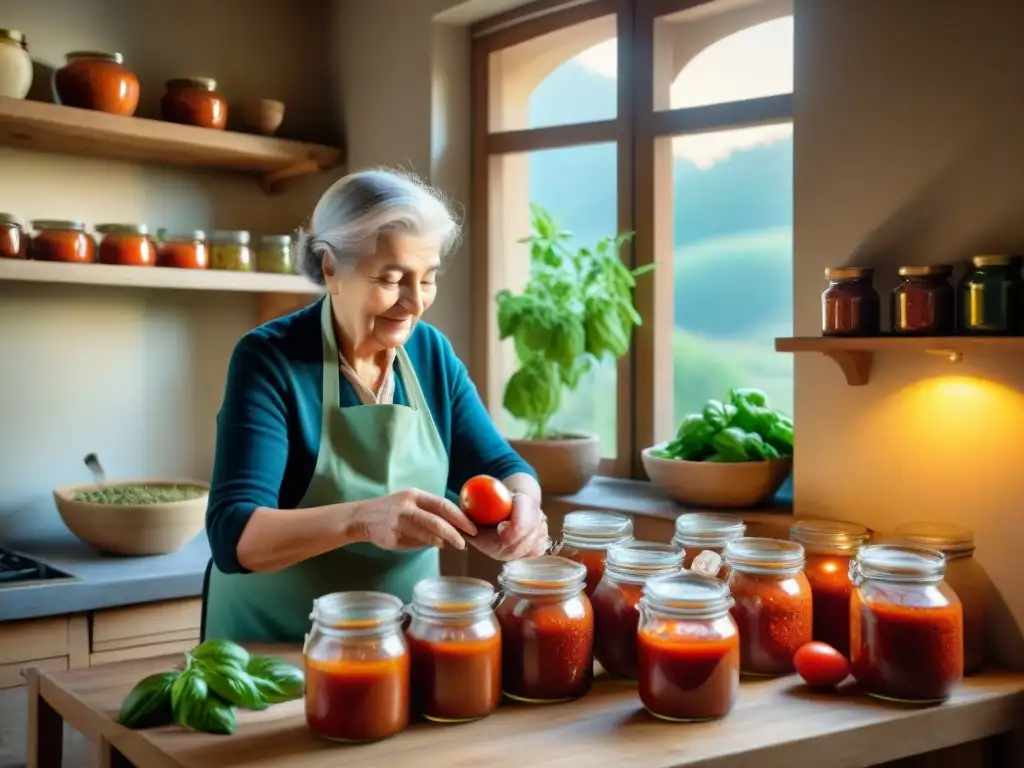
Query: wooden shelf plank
x=54 y=128
x=154 y=277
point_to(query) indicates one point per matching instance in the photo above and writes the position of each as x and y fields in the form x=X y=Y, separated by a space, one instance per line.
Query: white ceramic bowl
x=715 y=484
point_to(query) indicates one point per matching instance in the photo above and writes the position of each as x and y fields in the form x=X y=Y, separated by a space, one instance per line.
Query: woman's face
x=382 y=299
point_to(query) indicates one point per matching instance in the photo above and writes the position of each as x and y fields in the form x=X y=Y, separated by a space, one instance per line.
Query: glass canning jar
x=688 y=648
x=126 y=245
x=850 y=306
x=699 y=531
x=547 y=630
x=906 y=624
x=586 y=536
x=924 y=303
x=357 y=667
x=455 y=646
x=628 y=567
x=65 y=241
x=229 y=249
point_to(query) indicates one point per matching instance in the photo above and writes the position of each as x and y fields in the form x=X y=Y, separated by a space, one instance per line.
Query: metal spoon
x=92 y=461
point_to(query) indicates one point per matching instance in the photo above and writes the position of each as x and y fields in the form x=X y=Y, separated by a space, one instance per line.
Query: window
x=685 y=139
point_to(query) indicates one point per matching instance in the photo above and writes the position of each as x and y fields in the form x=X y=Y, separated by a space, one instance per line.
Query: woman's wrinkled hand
x=411 y=519
x=524 y=534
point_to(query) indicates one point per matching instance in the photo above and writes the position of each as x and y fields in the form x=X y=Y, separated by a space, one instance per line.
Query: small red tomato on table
x=486 y=500
x=820 y=665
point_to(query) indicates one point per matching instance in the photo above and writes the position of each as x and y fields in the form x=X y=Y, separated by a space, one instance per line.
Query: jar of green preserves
x=990 y=297
x=229 y=249
x=274 y=254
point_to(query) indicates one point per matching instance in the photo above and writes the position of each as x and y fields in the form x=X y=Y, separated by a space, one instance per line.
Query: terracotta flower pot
x=563 y=466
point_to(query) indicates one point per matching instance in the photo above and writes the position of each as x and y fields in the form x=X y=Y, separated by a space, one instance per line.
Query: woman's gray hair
x=359 y=207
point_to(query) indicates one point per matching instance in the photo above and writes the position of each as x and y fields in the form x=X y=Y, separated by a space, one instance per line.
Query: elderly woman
x=345 y=424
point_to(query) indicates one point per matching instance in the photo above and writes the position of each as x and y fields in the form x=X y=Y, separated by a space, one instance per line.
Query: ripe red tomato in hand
x=485 y=500
x=821 y=665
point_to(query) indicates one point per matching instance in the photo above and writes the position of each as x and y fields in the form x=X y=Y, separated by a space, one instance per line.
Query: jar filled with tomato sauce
x=688 y=648
x=126 y=245
x=357 y=667
x=773 y=605
x=829 y=547
x=455 y=646
x=183 y=251
x=906 y=625
x=699 y=531
x=964 y=575
x=586 y=537
x=628 y=567
x=12 y=239
x=547 y=630
x=65 y=241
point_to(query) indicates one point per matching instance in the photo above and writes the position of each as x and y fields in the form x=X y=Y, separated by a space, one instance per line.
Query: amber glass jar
x=126 y=245
x=586 y=536
x=230 y=250
x=194 y=101
x=773 y=607
x=274 y=254
x=906 y=624
x=547 y=630
x=829 y=547
x=688 y=648
x=455 y=644
x=964 y=575
x=699 y=531
x=627 y=569
x=64 y=241
x=990 y=300
x=12 y=240
x=96 y=80
x=924 y=303
x=184 y=251
x=357 y=667
x=850 y=305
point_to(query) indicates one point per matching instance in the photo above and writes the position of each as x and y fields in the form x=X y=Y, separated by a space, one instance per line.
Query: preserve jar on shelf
x=906 y=625
x=773 y=604
x=850 y=305
x=829 y=547
x=183 y=251
x=964 y=575
x=98 y=81
x=628 y=567
x=455 y=647
x=15 y=65
x=924 y=303
x=67 y=241
x=989 y=297
x=547 y=630
x=688 y=648
x=229 y=250
x=586 y=537
x=274 y=254
x=126 y=245
x=696 y=532
x=357 y=667
x=12 y=238
x=194 y=101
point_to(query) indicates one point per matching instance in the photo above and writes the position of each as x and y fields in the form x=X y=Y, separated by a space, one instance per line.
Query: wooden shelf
x=53 y=128
x=855 y=356
x=154 y=277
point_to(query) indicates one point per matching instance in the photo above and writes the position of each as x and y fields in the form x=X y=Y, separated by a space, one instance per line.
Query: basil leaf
x=234 y=685
x=211 y=715
x=148 y=704
x=276 y=679
x=187 y=693
x=221 y=652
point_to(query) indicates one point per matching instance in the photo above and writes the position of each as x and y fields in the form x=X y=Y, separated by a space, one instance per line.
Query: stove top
x=17 y=570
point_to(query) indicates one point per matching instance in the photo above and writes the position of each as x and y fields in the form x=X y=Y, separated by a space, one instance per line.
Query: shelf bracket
x=855 y=365
x=271 y=181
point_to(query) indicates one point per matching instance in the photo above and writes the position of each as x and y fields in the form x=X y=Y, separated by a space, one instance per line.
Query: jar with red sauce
x=586 y=537
x=850 y=305
x=455 y=646
x=773 y=604
x=829 y=547
x=97 y=80
x=12 y=240
x=628 y=567
x=183 y=251
x=126 y=245
x=194 y=101
x=65 y=241
x=547 y=630
x=906 y=625
x=699 y=531
x=357 y=667
x=924 y=303
x=688 y=648
x=964 y=575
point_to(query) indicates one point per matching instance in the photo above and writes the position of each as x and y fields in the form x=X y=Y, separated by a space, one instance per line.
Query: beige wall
x=907 y=151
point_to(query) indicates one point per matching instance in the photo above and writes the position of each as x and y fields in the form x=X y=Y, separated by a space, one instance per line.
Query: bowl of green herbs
x=734 y=453
x=134 y=517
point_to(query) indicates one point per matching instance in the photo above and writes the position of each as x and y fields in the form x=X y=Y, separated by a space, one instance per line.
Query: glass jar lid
x=637 y=561
x=200 y=83
x=757 y=555
x=115 y=58
x=230 y=237
x=687 y=594
x=991 y=260
x=357 y=611
x=545 y=574
x=590 y=529
x=452 y=597
x=9 y=219
x=276 y=241
x=925 y=270
x=13 y=36
x=896 y=562
x=196 y=235
x=40 y=224
x=832 y=535
x=706 y=529
x=122 y=229
x=951 y=540
x=848 y=273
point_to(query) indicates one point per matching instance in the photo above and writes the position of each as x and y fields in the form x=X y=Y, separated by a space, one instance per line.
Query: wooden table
x=776 y=723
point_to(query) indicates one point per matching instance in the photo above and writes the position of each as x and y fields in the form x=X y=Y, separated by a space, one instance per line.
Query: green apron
x=366 y=451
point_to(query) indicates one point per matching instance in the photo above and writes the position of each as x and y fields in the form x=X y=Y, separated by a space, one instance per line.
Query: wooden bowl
x=133 y=529
x=262 y=116
x=713 y=484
